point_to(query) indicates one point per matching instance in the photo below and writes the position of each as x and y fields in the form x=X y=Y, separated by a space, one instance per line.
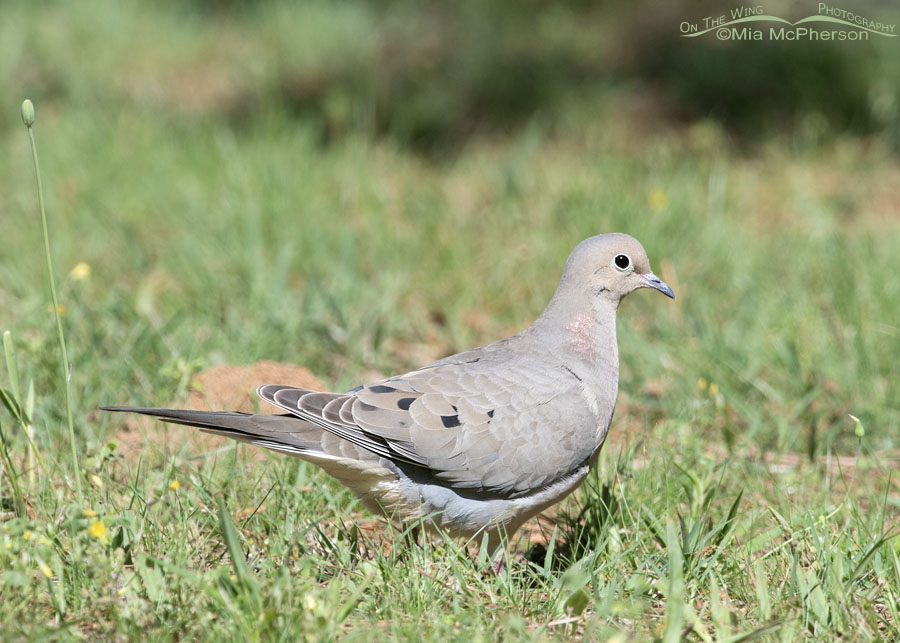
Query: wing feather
x=483 y=424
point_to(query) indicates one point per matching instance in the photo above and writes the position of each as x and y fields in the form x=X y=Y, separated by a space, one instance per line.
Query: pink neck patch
x=580 y=335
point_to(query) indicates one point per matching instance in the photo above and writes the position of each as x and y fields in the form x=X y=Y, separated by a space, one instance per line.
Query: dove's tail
x=351 y=465
x=285 y=433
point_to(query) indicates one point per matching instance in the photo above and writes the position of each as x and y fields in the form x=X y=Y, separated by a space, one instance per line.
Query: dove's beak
x=652 y=281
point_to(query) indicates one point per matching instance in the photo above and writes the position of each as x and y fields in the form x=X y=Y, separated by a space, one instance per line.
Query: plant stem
x=62 y=340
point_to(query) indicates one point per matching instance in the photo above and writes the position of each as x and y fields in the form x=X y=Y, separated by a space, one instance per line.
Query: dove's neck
x=585 y=337
x=580 y=334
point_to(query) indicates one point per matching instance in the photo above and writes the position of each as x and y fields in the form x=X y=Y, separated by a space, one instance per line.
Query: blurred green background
x=362 y=187
x=305 y=181
x=432 y=75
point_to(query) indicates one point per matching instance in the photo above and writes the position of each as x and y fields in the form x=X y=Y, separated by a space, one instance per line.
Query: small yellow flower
x=701 y=384
x=97 y=529
x=61 y=308
x=90 y=513
x=658 y=199
x=46 y=571
x=311 y=603
x=81 y=271
x=27 y=535
x=713 y=389
x=96 y=481
x=174 y=485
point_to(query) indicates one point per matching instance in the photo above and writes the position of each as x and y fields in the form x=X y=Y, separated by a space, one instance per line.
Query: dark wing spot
x=450 y=421
x=382 y=389
x=491 y=413
x=405 y=402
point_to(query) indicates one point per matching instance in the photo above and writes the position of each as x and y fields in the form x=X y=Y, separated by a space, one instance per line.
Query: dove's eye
x=623 y=263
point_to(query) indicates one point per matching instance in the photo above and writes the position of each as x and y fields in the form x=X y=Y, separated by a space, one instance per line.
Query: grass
x=734 y=499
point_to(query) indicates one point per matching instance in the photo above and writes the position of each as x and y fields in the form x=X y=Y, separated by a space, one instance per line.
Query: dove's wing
x=498 y=424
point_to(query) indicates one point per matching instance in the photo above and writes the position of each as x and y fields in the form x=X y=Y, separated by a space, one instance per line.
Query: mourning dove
x=476 y=442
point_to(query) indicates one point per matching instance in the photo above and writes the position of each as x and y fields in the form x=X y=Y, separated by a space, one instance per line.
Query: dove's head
x=612 y=265
x=599 y=273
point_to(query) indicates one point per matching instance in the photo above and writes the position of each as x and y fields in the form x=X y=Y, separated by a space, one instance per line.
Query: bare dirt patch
x=226 y=387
